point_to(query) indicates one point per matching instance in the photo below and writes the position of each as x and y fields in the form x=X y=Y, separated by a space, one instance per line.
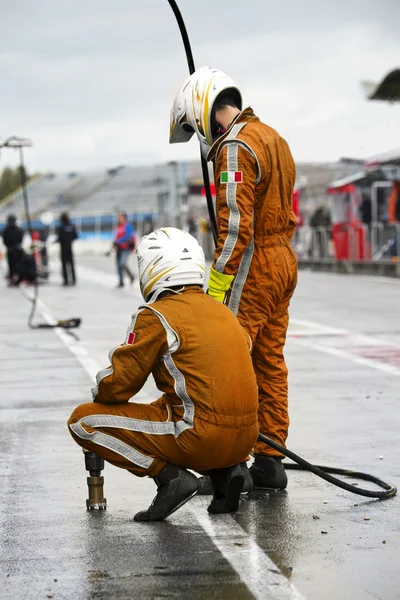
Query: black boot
x=268 y=472
x=175 y=487
x=206 y=488
x=227 y=485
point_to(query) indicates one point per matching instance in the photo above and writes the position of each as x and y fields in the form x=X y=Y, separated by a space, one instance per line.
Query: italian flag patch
x=231 y=177
x=130 y=337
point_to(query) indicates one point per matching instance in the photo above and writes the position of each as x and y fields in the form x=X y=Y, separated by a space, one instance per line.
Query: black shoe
x=175 y=487
x=227 y=486
x=206 y=488
x=120 y=285
x=268 y=472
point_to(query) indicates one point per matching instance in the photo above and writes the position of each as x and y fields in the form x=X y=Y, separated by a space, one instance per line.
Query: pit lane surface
x=343 y=354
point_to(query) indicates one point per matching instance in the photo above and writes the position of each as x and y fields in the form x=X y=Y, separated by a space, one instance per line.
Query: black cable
x=324 y=473
x=204 y=167
x=30 y=231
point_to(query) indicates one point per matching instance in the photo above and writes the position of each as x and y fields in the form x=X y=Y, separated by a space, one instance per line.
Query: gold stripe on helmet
x=206 y=113
x=149 y=286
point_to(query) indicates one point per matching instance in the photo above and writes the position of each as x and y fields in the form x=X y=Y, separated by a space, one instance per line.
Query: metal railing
x=375 y=242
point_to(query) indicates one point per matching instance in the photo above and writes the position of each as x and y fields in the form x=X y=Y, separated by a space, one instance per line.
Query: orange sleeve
x=235 y=203
x=133 y=361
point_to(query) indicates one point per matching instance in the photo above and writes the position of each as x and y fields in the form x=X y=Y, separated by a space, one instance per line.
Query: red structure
x=349 y=233
x=296 y=206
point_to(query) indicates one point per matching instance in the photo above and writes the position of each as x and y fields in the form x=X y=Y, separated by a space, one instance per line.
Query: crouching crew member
x=198 y=353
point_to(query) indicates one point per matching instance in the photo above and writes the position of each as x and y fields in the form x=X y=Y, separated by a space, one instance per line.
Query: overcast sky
x=92 y=81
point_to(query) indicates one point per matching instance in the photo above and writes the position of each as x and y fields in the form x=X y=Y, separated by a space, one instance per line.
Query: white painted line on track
x=390 y=280
x=309 y=328
x=90 y=365
x=341 y=353
x=351 y=341
x=306 y=329
x=257 y=571
x=300 y=330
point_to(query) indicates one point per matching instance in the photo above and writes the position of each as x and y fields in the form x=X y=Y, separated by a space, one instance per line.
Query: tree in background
x=10 y=181
x=19 y=171
x=7 y=182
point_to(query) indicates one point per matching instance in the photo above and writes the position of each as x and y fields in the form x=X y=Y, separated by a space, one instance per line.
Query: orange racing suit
x=206 y=417
x=254 y=176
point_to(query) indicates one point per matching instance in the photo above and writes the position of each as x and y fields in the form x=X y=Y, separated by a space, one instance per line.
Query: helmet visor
x=180 y=132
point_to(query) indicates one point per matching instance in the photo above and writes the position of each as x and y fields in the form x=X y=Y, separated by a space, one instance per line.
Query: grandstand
x=149 y=194
x=44 y=191
x=135 y=190
x=87 y=183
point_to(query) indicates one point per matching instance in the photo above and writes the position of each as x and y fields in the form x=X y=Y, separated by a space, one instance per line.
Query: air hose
x=62 y=323
x=302 y=465
x=324 y=473
x=204 y=167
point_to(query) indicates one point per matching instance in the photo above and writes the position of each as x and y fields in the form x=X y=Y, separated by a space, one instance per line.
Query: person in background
x=26 y=270
x=66 y=235
x=12 y=238
x=192 y=225
x=124 y=243
x=43 y=237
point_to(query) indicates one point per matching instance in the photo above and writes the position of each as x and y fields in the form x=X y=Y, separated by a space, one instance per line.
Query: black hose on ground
x=324 y=473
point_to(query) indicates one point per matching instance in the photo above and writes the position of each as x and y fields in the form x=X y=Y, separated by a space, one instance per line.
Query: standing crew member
x=255 y=269
x=199 y=356
x=66 y=234
x=12 y=238
x=124 y=244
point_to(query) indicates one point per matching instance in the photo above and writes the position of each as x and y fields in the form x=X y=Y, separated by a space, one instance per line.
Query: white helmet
x=192 y=110
x=169 y=257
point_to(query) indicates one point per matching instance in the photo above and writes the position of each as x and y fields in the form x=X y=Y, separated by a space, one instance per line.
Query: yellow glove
x=218 y=285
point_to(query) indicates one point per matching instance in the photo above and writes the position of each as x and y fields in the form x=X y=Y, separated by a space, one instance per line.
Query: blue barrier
x=92 y=222
x=91 y=235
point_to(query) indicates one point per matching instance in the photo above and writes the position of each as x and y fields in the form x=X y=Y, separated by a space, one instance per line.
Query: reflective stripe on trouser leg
x=130 y=424
x=113 y=444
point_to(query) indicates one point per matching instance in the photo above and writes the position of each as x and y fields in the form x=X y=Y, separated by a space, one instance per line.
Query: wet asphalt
x=311 y=541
